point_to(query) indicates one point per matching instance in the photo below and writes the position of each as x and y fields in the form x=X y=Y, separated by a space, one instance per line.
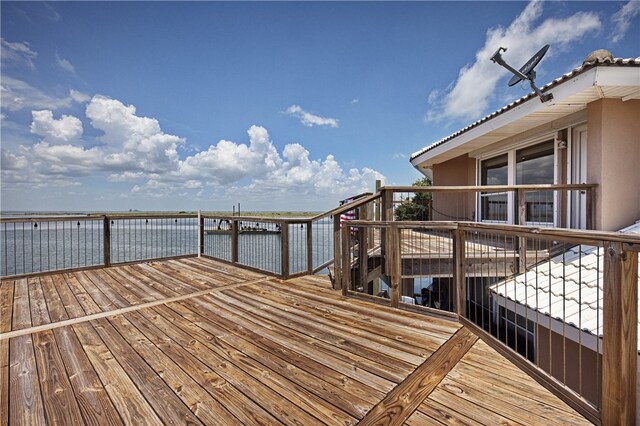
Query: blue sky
x=279 y=106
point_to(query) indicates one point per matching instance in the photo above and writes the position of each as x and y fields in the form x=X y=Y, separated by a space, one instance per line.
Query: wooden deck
x=199 y=342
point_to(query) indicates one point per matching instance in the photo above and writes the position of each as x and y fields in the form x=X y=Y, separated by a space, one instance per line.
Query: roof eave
x=530 y=104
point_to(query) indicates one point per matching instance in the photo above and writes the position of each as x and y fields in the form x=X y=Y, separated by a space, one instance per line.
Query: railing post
x=310 y=247
x=619 y=340
x=589 y=207
x=362 y=249
x=200 y=234
x=387 y=216
x=459 y=276
x=522 y=220
x=395 y=264
x=284 y=251
x=337 y=253
x=234 y=241
x=345 y=260
x=106 y=241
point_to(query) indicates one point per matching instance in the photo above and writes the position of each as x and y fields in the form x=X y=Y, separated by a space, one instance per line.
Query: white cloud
x=17 y=52
x=79 y=97
x=475 y=86
x=355 y=101
x=135 y=149
x=134 y=139
x=399 y=156
x=308 y=119
x=621 y=20
x=65 y=64
x=17 y=95
x=66 y=129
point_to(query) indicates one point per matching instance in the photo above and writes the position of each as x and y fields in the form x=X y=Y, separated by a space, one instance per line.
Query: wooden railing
x=283 y=247
x=566 y=316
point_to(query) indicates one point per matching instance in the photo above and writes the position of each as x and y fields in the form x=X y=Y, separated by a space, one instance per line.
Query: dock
x=197 y=341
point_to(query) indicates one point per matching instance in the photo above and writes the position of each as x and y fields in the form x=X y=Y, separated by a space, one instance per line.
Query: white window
x=529 y=165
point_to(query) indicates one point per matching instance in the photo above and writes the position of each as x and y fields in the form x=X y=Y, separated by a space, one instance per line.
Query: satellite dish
x=527 y=72
x=529 y=66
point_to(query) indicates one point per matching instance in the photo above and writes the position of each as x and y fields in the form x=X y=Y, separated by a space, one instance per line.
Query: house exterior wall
x=613 y=161
x=569 y=362
x=459 y=171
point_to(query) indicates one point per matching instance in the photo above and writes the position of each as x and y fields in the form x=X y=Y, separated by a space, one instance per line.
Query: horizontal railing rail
x=561 y=205
x=568 y=317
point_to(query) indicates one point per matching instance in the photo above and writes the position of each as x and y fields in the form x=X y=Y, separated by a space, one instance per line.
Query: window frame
x=511 y=176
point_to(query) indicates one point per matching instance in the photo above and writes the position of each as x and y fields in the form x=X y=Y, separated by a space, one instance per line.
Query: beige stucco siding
x=459 y=171
x=613 y=161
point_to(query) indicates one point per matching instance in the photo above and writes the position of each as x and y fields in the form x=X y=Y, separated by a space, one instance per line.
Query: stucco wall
x=459 y=171
x=569 y=362
x=613 y=161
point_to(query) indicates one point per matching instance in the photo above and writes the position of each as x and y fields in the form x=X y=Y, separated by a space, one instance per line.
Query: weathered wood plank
x=243 y=408
x=85 y=300
x=69 y=301
x=99 y=315
x=4 y=382
x=256 y=367
x=375 y=338
x=39 y=312
x=162 y=286
x=231 y=326
x=365 y=358
x=145 y=291
x=100 y=298
x=190 y=392
x=21 y=310
x=451 y=400
x=210 y=266
x=92 y=398
x=282 y=409
x=385 y=313
x=26 y=406
x=365 y=342
x=402 y=401
x=59 y=400
x=113 y=296
x=440 y=413
x=52 y=298
x=124 y=394
x=406 y=340
x=341 y=362
x=6 y=305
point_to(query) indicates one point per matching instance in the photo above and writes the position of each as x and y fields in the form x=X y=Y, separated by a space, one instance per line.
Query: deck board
x=198 y=341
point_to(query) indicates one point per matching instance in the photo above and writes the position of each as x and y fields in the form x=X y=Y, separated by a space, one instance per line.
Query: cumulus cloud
x=67 y=128
x=135 y=139
x=308 y=119
x=621 y=20
x=469 y=96
x=17 y=53
x=134 y=149
x=65 y=64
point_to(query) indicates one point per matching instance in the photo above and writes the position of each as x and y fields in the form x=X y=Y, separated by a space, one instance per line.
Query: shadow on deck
x=200 y=342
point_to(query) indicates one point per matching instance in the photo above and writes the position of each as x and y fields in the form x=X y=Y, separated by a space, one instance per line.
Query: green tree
x=416 y=207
